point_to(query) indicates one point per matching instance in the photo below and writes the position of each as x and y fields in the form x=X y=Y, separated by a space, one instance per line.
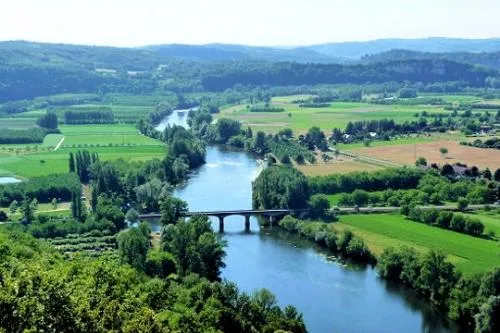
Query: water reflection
x=333 y=295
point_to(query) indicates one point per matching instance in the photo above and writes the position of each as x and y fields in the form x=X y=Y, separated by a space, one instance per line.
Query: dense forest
x=488 y=59
x=29 y=70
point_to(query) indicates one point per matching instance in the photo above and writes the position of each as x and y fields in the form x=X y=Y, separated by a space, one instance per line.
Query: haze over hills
x=29 y=69
x=355 y=50
x=330 y=52
x=489 y=59
x=146 y=57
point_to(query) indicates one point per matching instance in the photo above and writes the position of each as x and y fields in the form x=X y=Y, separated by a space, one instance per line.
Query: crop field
x=340 y=165
x=469 y=254
x=49 y=142
x=337 y=115
x=111 y=142
x=406 y=153
x=39 y=164
x=104 y=135
x=123 y=113
x=17 y=123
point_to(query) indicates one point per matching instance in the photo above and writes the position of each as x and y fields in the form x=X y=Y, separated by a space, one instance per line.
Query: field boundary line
x=59 y=144
x=371 y=160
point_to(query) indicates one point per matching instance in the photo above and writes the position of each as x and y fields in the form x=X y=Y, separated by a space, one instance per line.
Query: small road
x=397 y=209
x=59 y=144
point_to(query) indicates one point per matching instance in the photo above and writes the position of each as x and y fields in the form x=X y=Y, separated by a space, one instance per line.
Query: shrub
x=457 y=222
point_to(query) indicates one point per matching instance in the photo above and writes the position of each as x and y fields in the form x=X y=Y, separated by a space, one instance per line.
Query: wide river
x=333 y=297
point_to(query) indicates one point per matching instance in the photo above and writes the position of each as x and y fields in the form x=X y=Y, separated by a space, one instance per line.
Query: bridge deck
x=230 y=212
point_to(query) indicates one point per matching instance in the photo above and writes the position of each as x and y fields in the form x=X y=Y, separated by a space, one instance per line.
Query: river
x=332 y=296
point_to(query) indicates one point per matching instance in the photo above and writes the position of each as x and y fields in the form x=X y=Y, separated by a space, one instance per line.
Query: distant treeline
x=281 y=74
x=493 y=143
x=101 y=115
x=61 y=187
x=77 y=73
x=32 y=135
x=266 y=109
x=401 y=178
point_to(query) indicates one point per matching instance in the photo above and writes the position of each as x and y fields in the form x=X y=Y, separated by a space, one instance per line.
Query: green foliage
x=48 y=121
x=345 y=243
x=132 y=216
x=196 y=247
x=160 y=263
x=488 y=319
x=133 y=248
x=315 y=138
x=108 y=210
x=171 y=209
x=280 y=187
x=407 y=93
x=150 y=193
x=319 y=204
x=89 y=116
x=15 y=136
x=401 y=178
x=462 y=204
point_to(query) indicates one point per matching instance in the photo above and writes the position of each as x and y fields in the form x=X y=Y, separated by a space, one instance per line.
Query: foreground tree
x=133 y=247
x=488 y=318
x=196 y=247
x=171 y=209
x=280 y=187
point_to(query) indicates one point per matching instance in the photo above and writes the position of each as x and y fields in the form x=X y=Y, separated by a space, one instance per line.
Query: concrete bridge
x=270 y=214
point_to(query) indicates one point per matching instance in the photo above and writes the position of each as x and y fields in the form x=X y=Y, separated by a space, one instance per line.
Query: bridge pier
x=271 y=220
x=247 y=223
x=221 y=224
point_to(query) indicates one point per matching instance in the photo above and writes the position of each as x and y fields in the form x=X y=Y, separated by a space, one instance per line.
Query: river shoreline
x=333 y=295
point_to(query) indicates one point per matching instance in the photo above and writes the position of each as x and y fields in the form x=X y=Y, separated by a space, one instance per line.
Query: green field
x=31 y=165
x=17 y=123
x=469 y=254
x=111 y=142
x=414 y=139
x=47 y=208
x=337 y=115
x=104 y=135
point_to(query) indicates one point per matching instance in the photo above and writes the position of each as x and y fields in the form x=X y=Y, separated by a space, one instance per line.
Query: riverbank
x=331 y=295
x=427 y=273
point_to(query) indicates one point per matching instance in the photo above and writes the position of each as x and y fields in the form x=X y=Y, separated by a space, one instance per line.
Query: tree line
x=89 y=116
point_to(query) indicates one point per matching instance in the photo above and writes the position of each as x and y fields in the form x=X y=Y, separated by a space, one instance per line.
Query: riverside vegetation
x=90 y=120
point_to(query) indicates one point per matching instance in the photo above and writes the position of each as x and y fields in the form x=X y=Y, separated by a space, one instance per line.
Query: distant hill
x=355 y=50
x=76 y=56
x=491 y=59
x=224 y=52
x=30 y=69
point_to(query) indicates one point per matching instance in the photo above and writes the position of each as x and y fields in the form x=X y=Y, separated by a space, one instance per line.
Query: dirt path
x=59 y=143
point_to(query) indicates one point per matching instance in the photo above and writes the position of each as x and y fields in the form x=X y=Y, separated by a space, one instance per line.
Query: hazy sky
x=255 y=22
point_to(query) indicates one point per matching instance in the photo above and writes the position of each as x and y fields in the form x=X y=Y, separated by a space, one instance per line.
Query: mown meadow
x=469 y=254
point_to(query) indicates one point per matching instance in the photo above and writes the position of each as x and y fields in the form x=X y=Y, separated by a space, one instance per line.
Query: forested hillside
x=491 y=59
x=28 y=70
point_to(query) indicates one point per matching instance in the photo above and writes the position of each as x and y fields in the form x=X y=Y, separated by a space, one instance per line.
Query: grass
x=337 y=115
x=43 y=208
x=403 y=140
x=32 y=165
x=469 y=254
x=104 y=135
x=17 y=123
x=340 y=166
